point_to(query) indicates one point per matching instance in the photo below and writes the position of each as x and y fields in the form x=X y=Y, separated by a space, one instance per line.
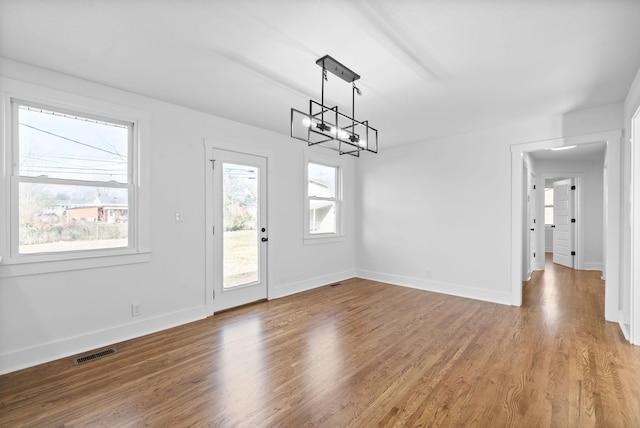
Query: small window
x=72 y=181
x=323 y=200
x=548 y=205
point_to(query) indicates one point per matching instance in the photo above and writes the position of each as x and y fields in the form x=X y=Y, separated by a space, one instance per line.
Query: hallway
x=566 y=296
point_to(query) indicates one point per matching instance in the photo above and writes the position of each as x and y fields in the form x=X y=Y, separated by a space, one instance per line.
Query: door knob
x=532 y=229
x=264 y=239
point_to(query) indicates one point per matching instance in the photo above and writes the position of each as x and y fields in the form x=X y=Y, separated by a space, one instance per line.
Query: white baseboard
x=624 y=326
x=593 y=266
x=28 y=357
x=437 y=287
x=32 y=356
x=309 y=284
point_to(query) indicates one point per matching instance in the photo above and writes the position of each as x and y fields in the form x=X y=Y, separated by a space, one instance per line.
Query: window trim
x=321 y=238
x=138 y=251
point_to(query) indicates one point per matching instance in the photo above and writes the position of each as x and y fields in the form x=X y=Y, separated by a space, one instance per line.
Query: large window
x=72 y=182
x=323 y=210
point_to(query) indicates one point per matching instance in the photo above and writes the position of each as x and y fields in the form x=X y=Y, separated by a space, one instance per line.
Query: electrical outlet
x=136 y=309
x=179 y=216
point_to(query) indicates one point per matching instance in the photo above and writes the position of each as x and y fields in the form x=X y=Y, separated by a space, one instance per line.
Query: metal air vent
x=94 y=356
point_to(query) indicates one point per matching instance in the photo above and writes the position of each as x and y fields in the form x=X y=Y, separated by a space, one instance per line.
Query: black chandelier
x=327 y=127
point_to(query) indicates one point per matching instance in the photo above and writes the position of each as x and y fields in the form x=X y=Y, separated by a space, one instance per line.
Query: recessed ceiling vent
x=94 y=356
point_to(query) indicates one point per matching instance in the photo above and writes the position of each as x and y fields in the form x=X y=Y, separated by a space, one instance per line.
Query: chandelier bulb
x=307 y=122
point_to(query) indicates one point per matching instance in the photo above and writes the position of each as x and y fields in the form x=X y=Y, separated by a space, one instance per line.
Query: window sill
x=33 y=267
x=323 y=239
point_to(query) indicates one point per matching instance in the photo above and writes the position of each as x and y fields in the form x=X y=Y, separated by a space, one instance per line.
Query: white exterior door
x=239 y=229
x=563 y=212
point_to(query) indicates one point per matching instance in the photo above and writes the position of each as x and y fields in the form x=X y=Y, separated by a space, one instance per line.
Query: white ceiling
x=429 y=68
x=582 y=152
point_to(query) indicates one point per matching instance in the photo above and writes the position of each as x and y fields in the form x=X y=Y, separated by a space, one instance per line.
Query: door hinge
x=213 y=163
x=573 y=220
x=573 y=253
x=534 y=254
x=534 y=187
x=573 y=187
x=534 y=221
x=214 y=294
x=213 y=230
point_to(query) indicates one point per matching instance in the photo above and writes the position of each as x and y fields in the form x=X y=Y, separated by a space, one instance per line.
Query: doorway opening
x=571 y=189
x=611 y=214
x=570 y=207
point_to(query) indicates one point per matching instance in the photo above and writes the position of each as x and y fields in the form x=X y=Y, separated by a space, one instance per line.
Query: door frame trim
x=611 y=213
x=209 y=145
x=634 y=250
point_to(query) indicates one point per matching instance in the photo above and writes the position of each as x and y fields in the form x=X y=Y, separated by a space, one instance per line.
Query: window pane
x=548 y=215
x=240 y=264
x=548 y=196
x=322 y=216
x=322 y=181
x=65 y=146
x=55 y=218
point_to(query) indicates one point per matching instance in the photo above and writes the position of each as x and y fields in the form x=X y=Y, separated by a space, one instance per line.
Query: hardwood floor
x=358 y=354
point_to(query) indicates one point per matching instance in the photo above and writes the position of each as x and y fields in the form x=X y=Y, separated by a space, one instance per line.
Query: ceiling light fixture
x=327 y=127
x=563 y=148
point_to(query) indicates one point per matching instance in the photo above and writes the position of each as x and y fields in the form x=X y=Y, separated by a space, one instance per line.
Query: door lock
x=264 y=239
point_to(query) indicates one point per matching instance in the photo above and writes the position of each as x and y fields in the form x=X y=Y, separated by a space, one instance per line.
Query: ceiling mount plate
x=330 y=64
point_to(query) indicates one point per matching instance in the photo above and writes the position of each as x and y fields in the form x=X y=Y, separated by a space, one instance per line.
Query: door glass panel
x=240 y=223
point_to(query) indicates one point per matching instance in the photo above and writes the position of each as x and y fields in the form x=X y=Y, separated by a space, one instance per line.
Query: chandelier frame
x=328 y=127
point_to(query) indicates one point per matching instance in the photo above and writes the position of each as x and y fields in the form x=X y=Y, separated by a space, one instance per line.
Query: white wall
x=592 y=205
x=44 y=317
x=444 y=206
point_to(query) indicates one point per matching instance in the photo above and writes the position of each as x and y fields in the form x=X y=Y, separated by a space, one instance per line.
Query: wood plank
x=362 y=353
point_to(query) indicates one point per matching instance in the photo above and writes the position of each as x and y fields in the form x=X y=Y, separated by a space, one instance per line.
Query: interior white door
x=563 y=211
x=239 y=229
x=533 y=242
